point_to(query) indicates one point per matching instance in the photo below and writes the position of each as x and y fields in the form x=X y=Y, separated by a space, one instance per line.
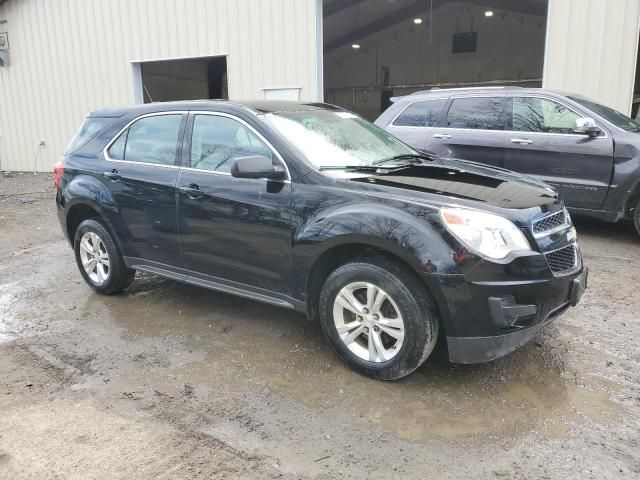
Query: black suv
x=312 y=208
x=589 y=152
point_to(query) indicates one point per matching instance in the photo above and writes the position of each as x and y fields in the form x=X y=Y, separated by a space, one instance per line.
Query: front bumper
x=486 y=320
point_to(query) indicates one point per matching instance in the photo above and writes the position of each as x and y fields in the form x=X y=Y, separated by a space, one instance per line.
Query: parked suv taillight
x=58 y=169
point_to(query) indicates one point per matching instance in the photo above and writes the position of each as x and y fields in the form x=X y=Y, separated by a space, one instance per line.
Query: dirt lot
x=173 y=381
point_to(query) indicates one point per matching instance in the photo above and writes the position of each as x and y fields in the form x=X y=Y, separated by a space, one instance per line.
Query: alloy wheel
x=94 y=258
x=368 y=322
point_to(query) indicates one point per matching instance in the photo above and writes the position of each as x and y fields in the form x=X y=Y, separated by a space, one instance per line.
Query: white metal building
x=61 y=59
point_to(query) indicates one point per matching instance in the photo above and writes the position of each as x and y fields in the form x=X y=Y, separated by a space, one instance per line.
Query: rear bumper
x=62 y=216
x=488 y=320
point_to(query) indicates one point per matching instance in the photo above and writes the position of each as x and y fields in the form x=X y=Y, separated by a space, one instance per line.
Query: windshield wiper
x=409 y=158
x=367 y=168
x=392 y=163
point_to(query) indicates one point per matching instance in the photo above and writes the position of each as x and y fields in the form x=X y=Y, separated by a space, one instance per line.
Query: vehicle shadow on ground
x=623 y=231
x=288 y=354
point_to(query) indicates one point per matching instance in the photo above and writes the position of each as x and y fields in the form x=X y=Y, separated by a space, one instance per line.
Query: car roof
x=255 y=106
x=447 y=92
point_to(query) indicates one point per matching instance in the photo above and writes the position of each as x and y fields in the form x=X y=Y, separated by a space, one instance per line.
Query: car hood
x=461 y=180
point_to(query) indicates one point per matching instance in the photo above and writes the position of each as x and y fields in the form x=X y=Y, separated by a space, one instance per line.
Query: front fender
x=412 y=233
x=625 y=179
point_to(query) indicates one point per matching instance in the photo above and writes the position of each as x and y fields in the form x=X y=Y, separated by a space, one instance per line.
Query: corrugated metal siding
x=591 y=49
x=70 y=57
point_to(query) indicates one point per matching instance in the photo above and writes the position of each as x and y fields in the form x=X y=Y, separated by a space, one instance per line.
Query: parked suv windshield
x=618 y=119
x=336 y=138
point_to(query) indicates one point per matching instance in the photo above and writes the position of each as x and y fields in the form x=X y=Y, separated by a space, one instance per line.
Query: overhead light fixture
x=488 y=13
x=355 y=46
x=417 y=21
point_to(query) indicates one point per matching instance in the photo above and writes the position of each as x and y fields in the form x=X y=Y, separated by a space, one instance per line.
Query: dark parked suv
x=310 y=207
x=590 y=153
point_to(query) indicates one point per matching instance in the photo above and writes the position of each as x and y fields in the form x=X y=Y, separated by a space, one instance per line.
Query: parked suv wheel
x=378 y=318
x=636 y=217
x=99 y=260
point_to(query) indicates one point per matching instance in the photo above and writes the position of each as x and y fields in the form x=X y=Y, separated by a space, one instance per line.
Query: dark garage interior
x=377 y=49
x=184 y=79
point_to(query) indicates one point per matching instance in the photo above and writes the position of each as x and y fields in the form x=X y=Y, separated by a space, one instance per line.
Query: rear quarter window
x=89 y=129
x=425 y=113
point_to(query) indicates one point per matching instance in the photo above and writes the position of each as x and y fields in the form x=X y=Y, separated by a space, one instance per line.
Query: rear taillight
x=58 y=169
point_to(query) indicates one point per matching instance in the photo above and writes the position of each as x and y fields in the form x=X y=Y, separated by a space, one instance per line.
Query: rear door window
x=426 y=113
x=477 y=113
x=151 y=140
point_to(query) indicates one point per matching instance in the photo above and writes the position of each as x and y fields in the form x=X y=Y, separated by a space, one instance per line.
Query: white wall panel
x=591 y=49
x=69 y=57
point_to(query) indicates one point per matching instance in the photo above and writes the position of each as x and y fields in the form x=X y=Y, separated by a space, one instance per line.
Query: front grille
x=562 y=260
x=550 y=222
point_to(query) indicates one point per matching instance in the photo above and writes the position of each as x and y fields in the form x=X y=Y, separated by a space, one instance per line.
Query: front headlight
x=489 y=235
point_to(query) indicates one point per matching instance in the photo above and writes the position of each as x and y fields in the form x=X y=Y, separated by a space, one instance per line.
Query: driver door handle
x=522 y=141
x=192 y=191
x=443 y=136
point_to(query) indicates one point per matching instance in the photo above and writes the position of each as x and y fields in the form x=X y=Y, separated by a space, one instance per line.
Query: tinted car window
x=217 y=140
x=421 y=114
x=531 y=114
x=149 y=140
x=153 y=140
x=89 y=129
x=116 y=151
x=476 y=113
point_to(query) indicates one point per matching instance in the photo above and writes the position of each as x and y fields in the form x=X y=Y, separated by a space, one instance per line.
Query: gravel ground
x=173 y=381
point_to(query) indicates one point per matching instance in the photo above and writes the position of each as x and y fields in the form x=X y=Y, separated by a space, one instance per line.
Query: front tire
x=378 y=318
x=99 y=260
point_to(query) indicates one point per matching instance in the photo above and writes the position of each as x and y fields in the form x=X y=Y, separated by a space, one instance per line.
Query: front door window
x=534 y=114
x=216 y=141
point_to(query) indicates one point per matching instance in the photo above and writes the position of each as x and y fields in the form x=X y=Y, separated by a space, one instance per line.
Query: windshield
x=334 y=139
x=620 y=120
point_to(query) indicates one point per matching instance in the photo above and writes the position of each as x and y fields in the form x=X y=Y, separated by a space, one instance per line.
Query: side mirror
x=586 y=126
x=257 y=166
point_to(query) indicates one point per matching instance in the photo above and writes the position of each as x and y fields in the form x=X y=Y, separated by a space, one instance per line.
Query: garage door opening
x=374 y=50
x=635 y=106
x=181 y=79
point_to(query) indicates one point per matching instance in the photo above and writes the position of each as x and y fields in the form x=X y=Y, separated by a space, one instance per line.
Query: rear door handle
x=112 y=175
x=443 y=136
x=522 y=141
x=192 y=191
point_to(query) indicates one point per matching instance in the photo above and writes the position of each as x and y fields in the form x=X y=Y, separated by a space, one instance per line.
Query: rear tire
x=636 y=217
x=99 y=260
x=378 y=318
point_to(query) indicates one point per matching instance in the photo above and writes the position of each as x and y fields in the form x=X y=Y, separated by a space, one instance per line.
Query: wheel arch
x=632 y=200
x=86 y=197
x=408 y=235
x=338 y=255
x=76 y=214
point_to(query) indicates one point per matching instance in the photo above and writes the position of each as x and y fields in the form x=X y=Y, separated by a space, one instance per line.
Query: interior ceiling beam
x=527 y=7
x=329 y=8
x=412 y=10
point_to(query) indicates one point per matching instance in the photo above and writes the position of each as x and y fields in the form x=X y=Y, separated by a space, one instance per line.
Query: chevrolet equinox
x=310 y=207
